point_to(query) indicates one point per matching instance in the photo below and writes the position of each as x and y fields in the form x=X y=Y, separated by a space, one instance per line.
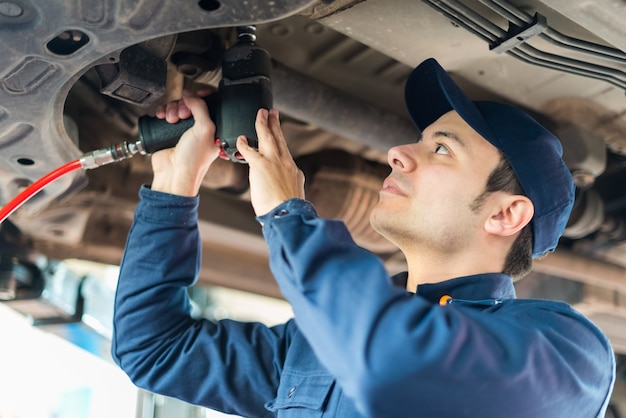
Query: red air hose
x=32 y=190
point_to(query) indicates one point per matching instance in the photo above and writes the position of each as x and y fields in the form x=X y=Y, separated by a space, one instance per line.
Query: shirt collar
x=475 y=287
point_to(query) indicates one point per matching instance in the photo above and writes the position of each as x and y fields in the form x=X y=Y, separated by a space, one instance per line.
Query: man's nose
x=401 y=158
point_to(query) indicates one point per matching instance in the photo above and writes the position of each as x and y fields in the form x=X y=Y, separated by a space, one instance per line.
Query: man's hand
x=274 y=176
x=180 y=170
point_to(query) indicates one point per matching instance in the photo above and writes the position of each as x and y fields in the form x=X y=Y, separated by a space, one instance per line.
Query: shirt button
x=445 y=300
x=291 y=392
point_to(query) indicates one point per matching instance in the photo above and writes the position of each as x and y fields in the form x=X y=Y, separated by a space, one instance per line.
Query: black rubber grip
x=157 y=134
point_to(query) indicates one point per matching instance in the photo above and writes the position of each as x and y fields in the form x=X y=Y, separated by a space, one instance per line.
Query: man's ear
x=512 y=213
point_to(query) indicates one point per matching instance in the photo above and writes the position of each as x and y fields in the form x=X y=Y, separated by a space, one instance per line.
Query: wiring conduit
x=490 y=32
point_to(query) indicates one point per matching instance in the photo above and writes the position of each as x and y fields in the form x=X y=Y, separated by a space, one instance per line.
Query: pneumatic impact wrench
x=245 y=87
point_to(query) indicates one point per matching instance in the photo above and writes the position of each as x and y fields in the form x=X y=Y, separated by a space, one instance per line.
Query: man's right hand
x=180 y=170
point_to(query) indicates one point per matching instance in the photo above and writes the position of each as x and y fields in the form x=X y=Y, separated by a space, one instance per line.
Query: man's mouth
x=391 y=186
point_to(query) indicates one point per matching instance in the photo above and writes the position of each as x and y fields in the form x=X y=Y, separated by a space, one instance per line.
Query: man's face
x=425 y=203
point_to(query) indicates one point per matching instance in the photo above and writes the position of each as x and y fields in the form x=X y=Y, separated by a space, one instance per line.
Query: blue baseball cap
x=533 y=152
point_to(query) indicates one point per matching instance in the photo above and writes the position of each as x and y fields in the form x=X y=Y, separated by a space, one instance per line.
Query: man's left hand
x=274 y=176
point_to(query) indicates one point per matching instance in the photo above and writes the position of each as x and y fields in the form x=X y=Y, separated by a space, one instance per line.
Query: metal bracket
x=517 y=35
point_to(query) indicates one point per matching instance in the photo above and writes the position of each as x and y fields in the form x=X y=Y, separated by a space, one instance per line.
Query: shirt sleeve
x=229 y=366
x=396 y=354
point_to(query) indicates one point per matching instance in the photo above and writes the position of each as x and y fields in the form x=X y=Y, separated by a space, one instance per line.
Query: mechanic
x=482 y=192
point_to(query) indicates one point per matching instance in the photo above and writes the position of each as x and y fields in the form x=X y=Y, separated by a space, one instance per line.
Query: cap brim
x=430 y=93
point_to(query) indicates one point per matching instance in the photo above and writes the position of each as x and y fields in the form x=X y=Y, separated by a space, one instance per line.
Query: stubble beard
x=431 y=236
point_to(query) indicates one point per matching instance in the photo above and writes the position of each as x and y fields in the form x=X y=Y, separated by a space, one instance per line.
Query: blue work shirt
x=360 y=344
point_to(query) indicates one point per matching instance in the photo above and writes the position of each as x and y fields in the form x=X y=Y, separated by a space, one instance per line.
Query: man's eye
x=441 y=149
